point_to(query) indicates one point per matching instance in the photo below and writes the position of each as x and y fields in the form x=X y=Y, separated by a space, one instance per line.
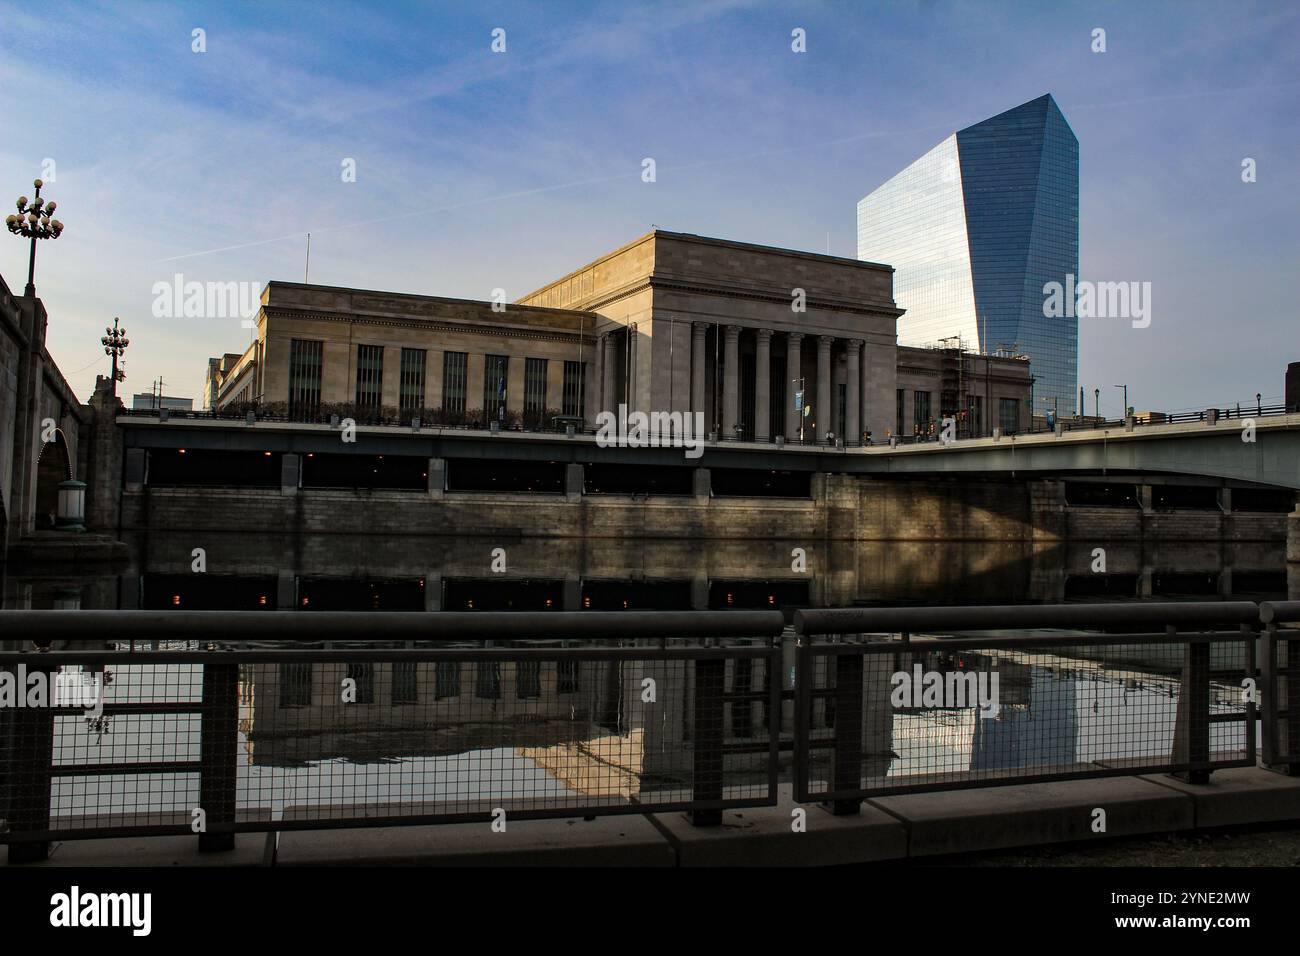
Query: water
x=1064 y=712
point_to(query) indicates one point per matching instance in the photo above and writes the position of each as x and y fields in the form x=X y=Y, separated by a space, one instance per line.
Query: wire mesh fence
x=284 y=739
x=297 y=727
x=888 y=717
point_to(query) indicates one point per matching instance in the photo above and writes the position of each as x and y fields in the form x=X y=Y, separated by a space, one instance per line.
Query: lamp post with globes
x=115 y=343
x=34 y=222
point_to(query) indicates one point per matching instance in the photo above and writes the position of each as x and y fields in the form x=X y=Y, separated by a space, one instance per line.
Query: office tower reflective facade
x=975 y=228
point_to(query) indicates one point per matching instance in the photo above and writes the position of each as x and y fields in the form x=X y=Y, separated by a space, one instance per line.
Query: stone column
x=792 y=366
x=853 y=401
x=731 y=382
x=823 y=407
x=608 y=400
x=698 y=332
x=763 y=386
x=864 y=422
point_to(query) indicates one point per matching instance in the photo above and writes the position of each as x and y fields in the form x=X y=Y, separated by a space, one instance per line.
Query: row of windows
x=306 y=366
x=296 y=681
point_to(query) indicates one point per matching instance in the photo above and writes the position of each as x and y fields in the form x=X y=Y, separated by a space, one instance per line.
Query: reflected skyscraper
x=975 y=228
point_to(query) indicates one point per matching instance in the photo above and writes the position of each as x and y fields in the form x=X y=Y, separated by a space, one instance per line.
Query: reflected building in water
x=619 y=729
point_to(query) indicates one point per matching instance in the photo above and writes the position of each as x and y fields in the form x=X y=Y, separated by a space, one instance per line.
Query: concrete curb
x=620 y=840
x=967 y=821
x=1238 y=796
x=888 y=828
x=762 y=836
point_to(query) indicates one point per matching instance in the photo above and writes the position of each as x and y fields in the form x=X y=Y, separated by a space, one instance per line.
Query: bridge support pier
x=1144 y=581
x=702 y=483
x=137 y=467
x=700 y=592
x=437 y=471
x=286 y=591
x=1146 y=499
x=574 y=480
x=290 y=473
x=1225 y=582
x=433 y=592
x=572 y=592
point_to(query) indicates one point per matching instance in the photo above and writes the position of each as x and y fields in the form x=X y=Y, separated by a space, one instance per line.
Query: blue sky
x=478 y=170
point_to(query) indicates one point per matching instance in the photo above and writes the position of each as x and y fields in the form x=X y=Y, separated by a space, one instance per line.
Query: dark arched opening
x=54 y=466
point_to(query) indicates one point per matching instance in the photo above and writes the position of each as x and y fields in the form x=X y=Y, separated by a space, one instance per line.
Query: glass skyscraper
x=975 y=228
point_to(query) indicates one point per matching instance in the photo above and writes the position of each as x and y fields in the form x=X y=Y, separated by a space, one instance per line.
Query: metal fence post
x=219 y=754
x=1192 y=730
x=1281 y=675
x=846 y=769
x=1290 y=727
x=707 y=736
x=30 y=775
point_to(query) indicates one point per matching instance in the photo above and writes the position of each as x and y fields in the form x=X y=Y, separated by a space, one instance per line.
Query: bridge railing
x=223 y=722
x=564 y=714
x=892 y=701
x=1281 y=691
x=931 y=434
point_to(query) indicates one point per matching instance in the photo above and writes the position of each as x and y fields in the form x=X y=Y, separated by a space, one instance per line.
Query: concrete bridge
x=1221 y=453
x=42 y=423
x=1268 y=453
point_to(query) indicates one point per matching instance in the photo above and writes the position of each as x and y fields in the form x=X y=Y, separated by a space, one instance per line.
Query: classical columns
x=853 y=400
x=731 y=382
x=792 y=367
x=698 y=331
x=823 y=407
x=609 y=400
x=763 y=385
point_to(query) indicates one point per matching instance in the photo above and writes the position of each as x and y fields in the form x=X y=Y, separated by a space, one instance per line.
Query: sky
x=477 y=170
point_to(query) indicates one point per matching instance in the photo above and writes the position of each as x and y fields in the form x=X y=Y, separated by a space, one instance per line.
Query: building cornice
x=431 y=325
x=728 y=291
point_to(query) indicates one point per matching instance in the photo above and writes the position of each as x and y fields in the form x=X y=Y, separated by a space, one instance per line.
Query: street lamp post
x=1096 y=403
x=34 y=222
x=115 y=343
x=1125 y=387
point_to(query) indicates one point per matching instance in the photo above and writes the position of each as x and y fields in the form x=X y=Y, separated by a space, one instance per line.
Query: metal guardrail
x=356 y=719
x=1281 y=679
x=1066 y=424
x=553 y=715
x=907 y=712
